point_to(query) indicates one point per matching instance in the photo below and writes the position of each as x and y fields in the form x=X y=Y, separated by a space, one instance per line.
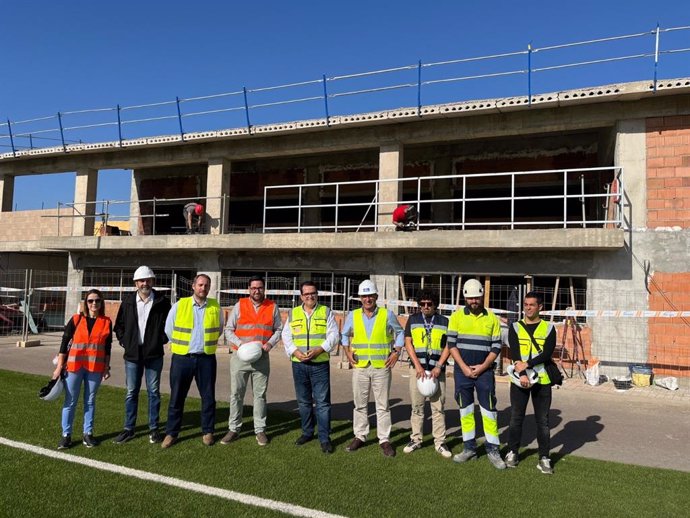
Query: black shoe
x=125 y=435
x=65 y=442
x=155 y=437
x=327 y=447
x=303 y=439
x=89 y=441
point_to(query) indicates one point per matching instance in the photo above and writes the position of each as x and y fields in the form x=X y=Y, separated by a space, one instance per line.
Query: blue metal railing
x=328 y=97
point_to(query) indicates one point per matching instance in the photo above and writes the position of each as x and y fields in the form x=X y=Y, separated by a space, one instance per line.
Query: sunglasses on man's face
x=426 y=304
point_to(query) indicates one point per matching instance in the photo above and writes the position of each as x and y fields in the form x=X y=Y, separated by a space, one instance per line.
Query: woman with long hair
x=85 y=354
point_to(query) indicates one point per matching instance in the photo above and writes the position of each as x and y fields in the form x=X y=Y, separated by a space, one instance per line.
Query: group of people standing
x=372 y=339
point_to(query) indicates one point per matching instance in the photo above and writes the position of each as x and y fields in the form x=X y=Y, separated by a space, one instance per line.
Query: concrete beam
x=85 y=187
x=217 y=195
x=6 y=193
x=390 y=168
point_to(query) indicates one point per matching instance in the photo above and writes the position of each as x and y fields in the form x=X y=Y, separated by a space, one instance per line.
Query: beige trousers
x=438 y=418
x=377 y=381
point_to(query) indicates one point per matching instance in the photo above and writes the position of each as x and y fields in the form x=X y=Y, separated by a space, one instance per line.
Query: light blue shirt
x=393 y=327
x=196 y=342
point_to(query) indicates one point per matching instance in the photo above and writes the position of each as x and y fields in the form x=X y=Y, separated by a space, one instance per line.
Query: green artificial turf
x=363 y=483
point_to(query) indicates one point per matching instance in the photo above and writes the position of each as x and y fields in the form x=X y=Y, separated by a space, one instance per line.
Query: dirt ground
x=646 y=426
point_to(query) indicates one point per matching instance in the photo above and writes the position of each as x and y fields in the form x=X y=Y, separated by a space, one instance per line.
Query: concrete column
x=75 y=284
x=631 y=154
x=209 y=264
x=135 y=227
x=6 y=193
x=217 y=185
x=442 y=189
x=390 y=167
x=311 y=196
x=389 y=289
x=85 y=186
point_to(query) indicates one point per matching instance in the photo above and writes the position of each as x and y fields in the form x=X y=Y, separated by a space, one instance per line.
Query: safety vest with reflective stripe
x=253 y=325
x=527 y=349
x=309 y=333
x=375 y=348
x=428 y=351
x=184 y=322
x=88 y=350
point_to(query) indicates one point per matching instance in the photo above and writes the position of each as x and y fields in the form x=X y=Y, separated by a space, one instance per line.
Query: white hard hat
x=532 y=375
x=249 y=352
x=367 y=288
x=143 y=272
x=472 y=288
x=427 y=385
x=52 y=390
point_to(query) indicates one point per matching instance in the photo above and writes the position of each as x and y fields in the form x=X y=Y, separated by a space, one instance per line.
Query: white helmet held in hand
x=143 y=272
x=427 y=385
x=367 y=288
x=52 y=390
x=515 y=376
x=473 y=288
x=249 y=352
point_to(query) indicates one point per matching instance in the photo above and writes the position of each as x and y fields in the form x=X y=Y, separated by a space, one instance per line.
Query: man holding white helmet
x=532 y=342
x=367 y=336
x=425 y=342
x=253 y=319
x=140 y=329
x=474 y=340
x=309 y=334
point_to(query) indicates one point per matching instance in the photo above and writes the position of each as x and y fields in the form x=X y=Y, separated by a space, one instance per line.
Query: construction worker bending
x=367 y=336
x=532 y=342
x=425 y=342
x=474 y=341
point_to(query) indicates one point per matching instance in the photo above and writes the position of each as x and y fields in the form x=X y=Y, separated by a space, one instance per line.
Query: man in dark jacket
x=140 y=329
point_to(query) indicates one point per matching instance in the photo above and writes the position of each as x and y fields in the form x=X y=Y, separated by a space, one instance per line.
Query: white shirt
x=143 y=310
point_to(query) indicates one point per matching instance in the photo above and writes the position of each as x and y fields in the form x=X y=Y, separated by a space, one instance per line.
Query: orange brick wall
x=668 y=171
x=669 y=338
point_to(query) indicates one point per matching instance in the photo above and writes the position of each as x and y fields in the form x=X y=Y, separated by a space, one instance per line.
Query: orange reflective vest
x=88 y=350
x=255 y=325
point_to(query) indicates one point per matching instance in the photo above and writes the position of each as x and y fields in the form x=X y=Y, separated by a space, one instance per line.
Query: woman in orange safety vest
x=85 y=355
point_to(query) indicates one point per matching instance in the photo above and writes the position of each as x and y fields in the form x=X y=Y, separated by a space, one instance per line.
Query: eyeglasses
x=426 y=304
x=93 y=301
x=310 y=294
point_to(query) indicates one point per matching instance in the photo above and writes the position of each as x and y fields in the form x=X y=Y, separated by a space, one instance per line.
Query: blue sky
x=71 y=55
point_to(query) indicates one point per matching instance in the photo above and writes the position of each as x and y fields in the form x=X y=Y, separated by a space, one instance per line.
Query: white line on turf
x=256 y=501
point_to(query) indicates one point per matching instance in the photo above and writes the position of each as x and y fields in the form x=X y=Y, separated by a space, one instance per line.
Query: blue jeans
x=184 y=369
x=313 y=391
x=134 y=371
x=91 y=380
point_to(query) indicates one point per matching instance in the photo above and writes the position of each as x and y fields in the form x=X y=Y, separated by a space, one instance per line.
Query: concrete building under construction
x=590 y=187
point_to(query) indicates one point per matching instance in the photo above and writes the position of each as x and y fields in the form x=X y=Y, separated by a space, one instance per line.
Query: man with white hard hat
x=532 y=341
x=140 y=329
x=253 y=318
x=309 y=335
x=367 y=337
x=474 y=341
x=425 y=342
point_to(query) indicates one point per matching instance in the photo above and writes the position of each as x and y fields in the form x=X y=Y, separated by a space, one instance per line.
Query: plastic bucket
x=622 y=383
x=641 y=375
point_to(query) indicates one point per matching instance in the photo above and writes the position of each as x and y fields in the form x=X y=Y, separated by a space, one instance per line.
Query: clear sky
x=70 y=55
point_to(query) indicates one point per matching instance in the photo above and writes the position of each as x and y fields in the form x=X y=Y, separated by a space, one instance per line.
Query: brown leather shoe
x=355 y=445
x=208 y=439
x=261 y=439
x=229 y=437
x=168 y=441
x=388 y=450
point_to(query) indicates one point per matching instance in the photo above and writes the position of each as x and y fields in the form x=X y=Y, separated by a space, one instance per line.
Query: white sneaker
x=444 y=451
x=545 y=466
x=465 y=456
x=496 y=460
x=412 y=446
x=512 y=459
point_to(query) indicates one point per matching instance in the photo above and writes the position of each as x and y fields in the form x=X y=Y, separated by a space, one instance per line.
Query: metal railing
x=330 y=96
x=573 y=185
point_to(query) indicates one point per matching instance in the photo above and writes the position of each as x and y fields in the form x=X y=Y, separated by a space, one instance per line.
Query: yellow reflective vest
x=527 y=349
x=309 y=333
x=184 y=322
x=375 y=348
x=429 y=351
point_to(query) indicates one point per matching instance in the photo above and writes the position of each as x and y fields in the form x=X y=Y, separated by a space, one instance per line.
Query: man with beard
x=140 y=329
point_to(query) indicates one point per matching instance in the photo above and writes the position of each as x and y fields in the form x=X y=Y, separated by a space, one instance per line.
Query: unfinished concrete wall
x=29 y=225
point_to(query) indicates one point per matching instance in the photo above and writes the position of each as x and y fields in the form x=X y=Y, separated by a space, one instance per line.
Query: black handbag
x=550 y=367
